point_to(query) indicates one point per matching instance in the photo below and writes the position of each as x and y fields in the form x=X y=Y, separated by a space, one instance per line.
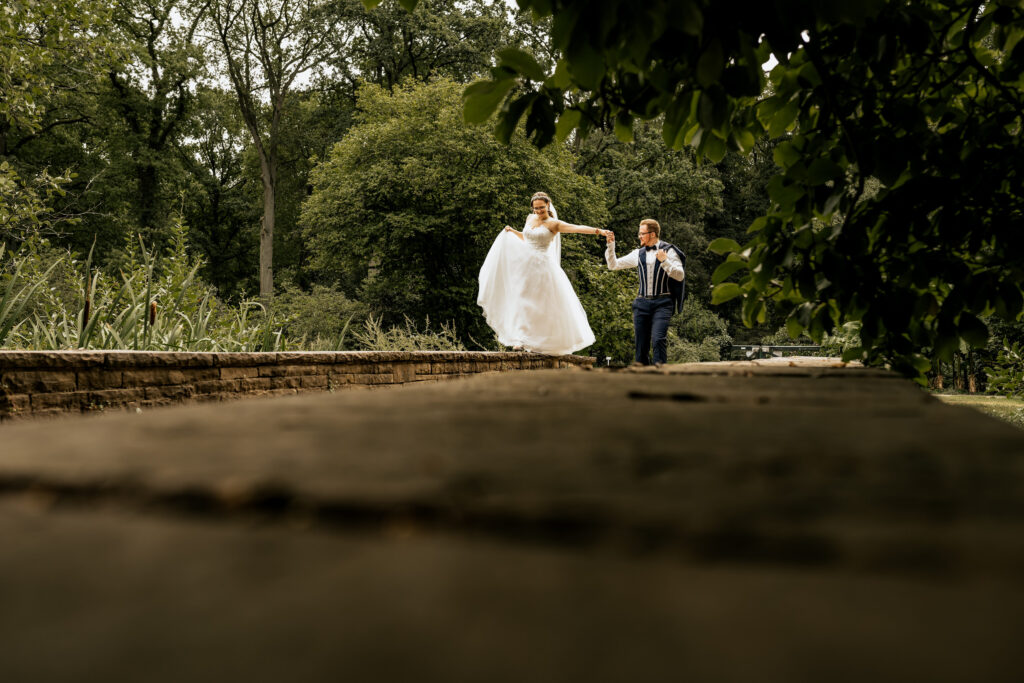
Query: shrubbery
x=1006 y=373
x=697 y=335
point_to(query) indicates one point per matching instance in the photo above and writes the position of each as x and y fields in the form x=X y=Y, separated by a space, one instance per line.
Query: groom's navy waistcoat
x=663 y=284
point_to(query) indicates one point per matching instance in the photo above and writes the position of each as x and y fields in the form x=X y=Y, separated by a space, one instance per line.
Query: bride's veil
x=555 y=248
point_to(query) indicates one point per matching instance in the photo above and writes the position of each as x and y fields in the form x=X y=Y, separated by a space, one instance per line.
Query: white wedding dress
x=527 y=298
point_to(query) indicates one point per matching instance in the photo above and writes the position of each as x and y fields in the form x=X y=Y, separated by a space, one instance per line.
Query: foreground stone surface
x=739 y=521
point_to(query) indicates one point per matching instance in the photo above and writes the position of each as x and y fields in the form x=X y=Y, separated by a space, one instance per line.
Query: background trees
x=266 y=45
x=51 y=52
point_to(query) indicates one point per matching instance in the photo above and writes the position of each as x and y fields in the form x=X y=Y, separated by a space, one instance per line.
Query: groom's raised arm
x=627 y=261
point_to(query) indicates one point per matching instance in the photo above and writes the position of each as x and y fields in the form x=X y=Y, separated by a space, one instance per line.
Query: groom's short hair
x=652 y=226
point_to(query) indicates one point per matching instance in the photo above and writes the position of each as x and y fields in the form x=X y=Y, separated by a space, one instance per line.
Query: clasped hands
x=610 y=238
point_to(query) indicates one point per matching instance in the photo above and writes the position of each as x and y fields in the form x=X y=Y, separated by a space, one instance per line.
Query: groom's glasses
x=641 y=234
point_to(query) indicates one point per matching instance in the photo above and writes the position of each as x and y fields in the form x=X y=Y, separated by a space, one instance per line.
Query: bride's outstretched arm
x=509 y=228
x=582 y=229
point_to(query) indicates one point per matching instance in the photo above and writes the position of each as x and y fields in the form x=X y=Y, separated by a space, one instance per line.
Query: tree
x=154 y=95
x=48 y=49
x=406 y=206
x=266 y=45
x=450 y=38
x=220 y=206
x=924 y=95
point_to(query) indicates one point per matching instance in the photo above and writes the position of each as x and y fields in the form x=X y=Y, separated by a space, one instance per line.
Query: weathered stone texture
x=313 y=381
x=236 y=373
x=116 y=397
x=15 y=403
x=100 y=378
x=65 y=400
x=173 y=392
x=216 y=386
x=287 y=370
x=33 y=381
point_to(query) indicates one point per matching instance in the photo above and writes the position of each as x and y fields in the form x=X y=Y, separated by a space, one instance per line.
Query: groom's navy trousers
x=650 y=326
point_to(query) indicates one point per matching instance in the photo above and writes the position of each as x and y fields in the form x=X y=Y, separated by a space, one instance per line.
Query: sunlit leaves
x=407 y=4
x=567 y=122
x=724 y=245
x=725 y=291
x=483 y=97
x=521 y=62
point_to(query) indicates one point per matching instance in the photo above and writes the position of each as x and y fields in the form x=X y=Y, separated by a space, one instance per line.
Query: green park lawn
x=1008 y=409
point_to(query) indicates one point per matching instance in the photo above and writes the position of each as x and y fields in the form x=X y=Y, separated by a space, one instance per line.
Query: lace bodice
x=538 y=238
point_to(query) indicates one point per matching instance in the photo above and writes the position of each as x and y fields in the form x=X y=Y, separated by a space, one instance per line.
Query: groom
x=660 y=268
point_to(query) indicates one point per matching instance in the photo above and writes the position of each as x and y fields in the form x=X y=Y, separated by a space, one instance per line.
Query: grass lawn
x=1009 y=409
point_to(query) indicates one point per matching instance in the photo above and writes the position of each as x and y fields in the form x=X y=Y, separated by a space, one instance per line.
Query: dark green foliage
x=698 y=334
x=441 y=38
x=926 y=96
x=321 y=318
x=1006 y=372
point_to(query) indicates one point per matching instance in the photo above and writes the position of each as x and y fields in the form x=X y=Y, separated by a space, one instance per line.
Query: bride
x=526 y=296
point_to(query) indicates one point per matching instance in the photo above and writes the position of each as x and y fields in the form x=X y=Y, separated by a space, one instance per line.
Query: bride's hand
x=509 y=228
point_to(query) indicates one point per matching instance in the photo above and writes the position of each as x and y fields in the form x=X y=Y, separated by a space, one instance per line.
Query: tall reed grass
x=51 y=301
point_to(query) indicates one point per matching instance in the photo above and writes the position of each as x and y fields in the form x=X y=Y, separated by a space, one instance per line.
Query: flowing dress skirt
x=528 y=300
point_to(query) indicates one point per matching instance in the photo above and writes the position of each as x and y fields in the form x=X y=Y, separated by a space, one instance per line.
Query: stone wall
x=37 y=383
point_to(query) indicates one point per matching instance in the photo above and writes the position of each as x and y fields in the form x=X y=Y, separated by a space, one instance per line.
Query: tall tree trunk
x=269 y=172
x=972 y=381
x=148 y=209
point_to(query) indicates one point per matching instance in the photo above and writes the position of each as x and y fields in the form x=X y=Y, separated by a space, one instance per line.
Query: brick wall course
x=39 y=381
x=116 y=397
x=286 y=370
x=100 y=378
x=238 y=373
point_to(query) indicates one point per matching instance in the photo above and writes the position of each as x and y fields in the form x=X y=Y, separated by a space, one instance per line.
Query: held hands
x=609 y=236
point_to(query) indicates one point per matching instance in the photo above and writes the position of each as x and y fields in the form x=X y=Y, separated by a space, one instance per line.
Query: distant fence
x=37 y=383
x=756 y=351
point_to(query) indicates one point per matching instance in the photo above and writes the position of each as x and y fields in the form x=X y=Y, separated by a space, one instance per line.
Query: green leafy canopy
x=897 y=200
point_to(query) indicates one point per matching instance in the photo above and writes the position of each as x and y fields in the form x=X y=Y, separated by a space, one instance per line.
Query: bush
x=1006 y=373
x=832 y=345
x=698 y=335
x=322 y=319
x=684 y=351
x=374 y=337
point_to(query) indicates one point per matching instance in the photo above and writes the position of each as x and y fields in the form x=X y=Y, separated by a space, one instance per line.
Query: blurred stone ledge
x=44 y=383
